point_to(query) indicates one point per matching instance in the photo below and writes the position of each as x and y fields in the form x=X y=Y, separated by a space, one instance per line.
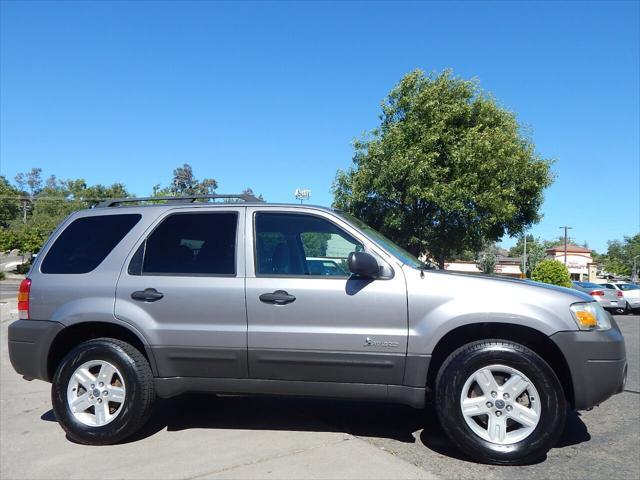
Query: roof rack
x=114 y=202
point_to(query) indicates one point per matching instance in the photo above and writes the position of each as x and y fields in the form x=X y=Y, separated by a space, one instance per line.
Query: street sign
x=302 y=194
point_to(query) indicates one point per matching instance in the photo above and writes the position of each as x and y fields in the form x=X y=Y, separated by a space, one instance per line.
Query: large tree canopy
x=447 y=170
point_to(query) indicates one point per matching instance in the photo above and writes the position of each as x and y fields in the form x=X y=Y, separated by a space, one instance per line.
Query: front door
x=183 y=286
x=308 y=318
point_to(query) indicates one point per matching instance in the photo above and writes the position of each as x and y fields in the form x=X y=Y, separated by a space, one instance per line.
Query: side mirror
x=364 y=265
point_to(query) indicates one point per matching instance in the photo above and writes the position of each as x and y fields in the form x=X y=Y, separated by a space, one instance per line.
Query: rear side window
x=190 y=244
x=86 y=242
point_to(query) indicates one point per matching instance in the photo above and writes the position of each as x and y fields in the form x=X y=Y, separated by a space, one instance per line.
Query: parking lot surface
x=199 y=436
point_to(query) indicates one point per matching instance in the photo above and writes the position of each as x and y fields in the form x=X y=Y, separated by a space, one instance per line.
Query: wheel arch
x=77 y=333
x=527 y=336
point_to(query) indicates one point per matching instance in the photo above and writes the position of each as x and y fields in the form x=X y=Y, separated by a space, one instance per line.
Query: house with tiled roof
x=579 y=260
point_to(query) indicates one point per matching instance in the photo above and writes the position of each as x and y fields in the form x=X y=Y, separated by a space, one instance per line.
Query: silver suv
x=128 y=302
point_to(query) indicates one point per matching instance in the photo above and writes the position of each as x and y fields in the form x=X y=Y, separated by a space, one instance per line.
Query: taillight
x=597 y=293
x=23 y=299
x=619 y=293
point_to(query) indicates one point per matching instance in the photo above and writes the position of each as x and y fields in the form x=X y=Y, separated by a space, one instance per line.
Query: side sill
x=412 y=396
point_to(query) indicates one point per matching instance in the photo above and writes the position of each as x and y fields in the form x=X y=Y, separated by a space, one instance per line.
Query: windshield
x=394 y=249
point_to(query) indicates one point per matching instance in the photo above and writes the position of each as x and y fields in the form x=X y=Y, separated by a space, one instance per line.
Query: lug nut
x=494 y=394
x=498 y=413
x=105 y=393
x=101 y=384
x=93 y=386
x=509 y=408
x=91 y=397
x=506 y=396
x=99 y=400
x=489 y=404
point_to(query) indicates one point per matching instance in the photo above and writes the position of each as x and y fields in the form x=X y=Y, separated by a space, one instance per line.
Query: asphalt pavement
x=202 y=436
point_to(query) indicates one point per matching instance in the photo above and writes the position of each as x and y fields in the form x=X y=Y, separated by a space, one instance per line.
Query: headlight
x=590 y=316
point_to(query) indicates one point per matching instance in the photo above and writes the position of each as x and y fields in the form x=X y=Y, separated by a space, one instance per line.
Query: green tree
x=9 y=202
x=315 y=243
x=446 y=171
x=620 y=253
x=30 y=182
x=487 y=258
x=50 y=202
x=553 y=272
x=185 y=183
x=536 y=252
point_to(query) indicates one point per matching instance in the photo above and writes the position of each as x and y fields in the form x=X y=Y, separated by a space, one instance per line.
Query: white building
x=579 y=260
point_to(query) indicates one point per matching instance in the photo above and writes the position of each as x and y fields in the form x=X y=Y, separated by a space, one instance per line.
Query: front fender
x=439 y=303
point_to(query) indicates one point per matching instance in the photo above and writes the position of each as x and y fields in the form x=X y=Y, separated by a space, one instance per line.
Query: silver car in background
x=629 y=291
x=610 y=299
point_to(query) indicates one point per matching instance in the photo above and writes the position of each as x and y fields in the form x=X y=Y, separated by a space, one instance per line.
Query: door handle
x=279 y=297
x=147 y=295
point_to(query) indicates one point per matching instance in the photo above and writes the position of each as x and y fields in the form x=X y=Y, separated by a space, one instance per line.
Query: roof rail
x=114 y=202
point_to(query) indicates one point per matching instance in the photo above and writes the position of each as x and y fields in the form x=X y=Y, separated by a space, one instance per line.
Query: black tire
x=138 y=402
x=466 y=360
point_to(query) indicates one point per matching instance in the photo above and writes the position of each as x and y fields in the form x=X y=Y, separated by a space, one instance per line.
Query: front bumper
x=597 y=362
x=29 y=344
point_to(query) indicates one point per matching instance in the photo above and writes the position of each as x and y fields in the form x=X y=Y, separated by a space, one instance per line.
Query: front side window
x=295 y=244
x=189 y=244
x=86 y=242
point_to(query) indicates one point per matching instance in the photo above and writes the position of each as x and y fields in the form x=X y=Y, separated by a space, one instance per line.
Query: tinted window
x=86 y=242
x=192 y=243
x=293 y=244
x=628 y=286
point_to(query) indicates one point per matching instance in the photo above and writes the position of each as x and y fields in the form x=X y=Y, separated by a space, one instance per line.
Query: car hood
x=499 y=284
x=454 y=298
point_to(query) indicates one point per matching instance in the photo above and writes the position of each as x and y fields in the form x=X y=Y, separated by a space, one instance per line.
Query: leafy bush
x=2 y=275
x=24 y=268
x=553 y=272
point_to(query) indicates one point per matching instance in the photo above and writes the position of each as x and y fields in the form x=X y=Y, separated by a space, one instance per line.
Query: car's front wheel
x=102 y=392
x=500 y=402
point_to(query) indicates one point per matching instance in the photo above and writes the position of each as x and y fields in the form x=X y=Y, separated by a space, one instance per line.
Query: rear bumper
x=597 y=362
x=612 y=304
x=29 y=344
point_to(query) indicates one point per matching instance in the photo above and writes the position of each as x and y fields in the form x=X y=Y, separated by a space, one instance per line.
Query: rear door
x=183 y=286
x=309 y=320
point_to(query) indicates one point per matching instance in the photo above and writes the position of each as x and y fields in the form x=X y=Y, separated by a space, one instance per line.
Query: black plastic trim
x=327 y=366
x=176 y=361
x=597 y=362
x=416 y=370
x=170 y=387
x=29 y=343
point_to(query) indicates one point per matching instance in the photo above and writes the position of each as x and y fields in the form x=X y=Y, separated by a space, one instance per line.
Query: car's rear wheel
x=500 y=402
x=102 y=392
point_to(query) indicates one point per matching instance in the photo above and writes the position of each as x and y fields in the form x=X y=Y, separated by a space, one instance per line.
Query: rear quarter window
x=86 y=242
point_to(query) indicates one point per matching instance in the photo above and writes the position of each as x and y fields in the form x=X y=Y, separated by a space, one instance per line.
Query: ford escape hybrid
x=130 y=301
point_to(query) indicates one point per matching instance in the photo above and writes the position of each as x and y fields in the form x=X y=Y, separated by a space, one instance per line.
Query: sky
x=271 y=95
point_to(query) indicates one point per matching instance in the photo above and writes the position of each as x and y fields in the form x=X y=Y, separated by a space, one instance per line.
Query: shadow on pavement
x=364 y=419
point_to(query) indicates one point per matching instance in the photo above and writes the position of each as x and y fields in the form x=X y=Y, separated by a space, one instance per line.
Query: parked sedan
x=610 y=299
x=629 y=291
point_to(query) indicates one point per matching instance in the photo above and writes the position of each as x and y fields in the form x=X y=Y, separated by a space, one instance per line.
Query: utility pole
x=25 y=209
x=524 y=257
x=565 y=242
